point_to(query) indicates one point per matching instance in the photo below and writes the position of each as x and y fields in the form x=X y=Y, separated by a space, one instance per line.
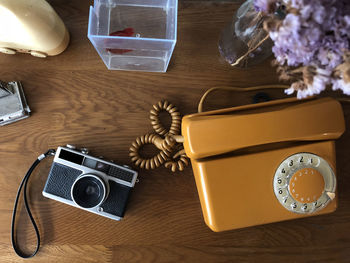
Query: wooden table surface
x=76 y=100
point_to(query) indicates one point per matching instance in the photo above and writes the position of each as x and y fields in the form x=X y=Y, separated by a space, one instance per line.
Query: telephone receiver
x=266 y=162
x=31 y=26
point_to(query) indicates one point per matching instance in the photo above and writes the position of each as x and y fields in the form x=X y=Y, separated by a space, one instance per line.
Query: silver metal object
x=13 y=105
x=84 y=150
x=71 y=146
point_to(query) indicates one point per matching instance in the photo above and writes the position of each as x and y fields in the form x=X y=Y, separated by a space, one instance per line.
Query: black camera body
x=90 y=183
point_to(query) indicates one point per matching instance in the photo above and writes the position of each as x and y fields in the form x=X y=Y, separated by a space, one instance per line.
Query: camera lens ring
x=88 y=191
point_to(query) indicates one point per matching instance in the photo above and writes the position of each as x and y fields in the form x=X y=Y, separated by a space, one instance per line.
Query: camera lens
x=88 y=191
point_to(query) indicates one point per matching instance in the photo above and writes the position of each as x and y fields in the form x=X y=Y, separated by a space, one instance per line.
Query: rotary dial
x=304 y=183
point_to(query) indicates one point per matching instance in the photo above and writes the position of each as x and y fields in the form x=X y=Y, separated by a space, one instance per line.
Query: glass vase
x=244 y=42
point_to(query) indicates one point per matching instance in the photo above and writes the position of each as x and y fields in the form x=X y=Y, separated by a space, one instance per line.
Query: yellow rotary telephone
x=259 y=163
x=266 y=162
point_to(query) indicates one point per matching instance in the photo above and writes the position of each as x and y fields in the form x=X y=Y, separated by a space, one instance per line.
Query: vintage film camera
x=89 y=183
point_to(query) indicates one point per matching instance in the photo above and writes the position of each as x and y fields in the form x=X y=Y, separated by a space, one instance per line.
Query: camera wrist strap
x=25 y=183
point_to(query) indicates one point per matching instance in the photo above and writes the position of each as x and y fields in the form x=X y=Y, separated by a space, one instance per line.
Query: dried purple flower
x=264 y=5
x=313 y=33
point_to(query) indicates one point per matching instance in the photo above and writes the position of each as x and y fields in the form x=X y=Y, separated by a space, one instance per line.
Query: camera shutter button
x=306 y=185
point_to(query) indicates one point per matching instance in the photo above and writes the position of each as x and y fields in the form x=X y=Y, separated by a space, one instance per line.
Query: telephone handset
x=266 y=162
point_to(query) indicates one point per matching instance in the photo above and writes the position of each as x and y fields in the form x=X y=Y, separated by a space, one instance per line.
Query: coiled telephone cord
x=166 y=145
x=175 y=118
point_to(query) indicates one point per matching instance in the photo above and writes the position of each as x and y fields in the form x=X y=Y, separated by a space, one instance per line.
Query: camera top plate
x=92 y=165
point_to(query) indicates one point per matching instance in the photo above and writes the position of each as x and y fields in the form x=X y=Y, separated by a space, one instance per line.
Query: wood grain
x=75 y=99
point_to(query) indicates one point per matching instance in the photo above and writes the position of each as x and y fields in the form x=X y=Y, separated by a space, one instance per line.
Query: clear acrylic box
x=134 y=34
